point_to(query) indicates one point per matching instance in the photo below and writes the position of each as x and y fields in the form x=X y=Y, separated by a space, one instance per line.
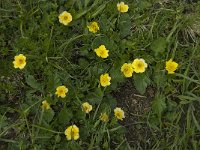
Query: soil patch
x=136 y=107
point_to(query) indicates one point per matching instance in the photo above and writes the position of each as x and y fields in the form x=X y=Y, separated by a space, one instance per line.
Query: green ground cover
x=36 y=114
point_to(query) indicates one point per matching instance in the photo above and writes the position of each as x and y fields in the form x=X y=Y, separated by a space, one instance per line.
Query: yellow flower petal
x=139 y=65
x=72 y=132
x=127 y=70
x=45 y=105
x=19 y=61
x=101 y=51
x=104 y=117
x=65 y=18
x=119 y=113
x=171 y=66
x=86 y=107
x=122 y=7
x=61 y=91
x=93 y=27
x=105 y=79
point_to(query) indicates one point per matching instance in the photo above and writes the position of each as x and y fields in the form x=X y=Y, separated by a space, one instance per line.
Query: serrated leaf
x=158 y=45
x=102 y=40
x=3 y=121
x=83 y=62
x=80 y=115
x=95 y=97
x=71 y=145
x=111 y=101
x=144 y=4
x=53 y=82
x=104 y=23
x=125 y=25
x=64 y=116
x=99 y=10
x=116 y=74
x=141 y=82
x=171 y=116
x=48 y=115
x=159 y=105
x=30 y=80
x=84 y=132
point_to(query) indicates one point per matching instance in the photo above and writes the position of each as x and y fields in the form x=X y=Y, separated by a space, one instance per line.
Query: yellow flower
x=20 y=61
x=86 y=107
x=65 y=18
x=171 y=66
x=101 y=51
x=45 y=105
x=72 y=132
x=122 y=7
x=127 y=70
x=93 y=27
x=104 y=117
x=61 y=91
x=105 y=79
x=139 y=65
x=119 y=113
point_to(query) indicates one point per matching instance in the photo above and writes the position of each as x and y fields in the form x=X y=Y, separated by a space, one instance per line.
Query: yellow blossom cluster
x=86 y=107
x=122 y=7
x=93 y=27
x=19 y=61
x=101 y=51
x=137 y=66
x=72 y=132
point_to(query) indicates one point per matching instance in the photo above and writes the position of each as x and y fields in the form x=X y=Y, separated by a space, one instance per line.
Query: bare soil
x=136 y=109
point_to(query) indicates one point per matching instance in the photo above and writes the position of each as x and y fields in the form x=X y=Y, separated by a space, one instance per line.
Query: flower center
x=171 y=67
x=94 y=27
x=61 y=91
x=126 y=69
x=102 y=52
x=118 y=114
x=139 y=65
x=86 y=107
x=21 y=61
x=72 y=133
x=65 y=18
x=104 y=80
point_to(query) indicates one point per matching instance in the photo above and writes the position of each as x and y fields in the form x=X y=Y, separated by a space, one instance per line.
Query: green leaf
x=159 y=105
x=98 y=10
x=71 y=145
x=31 y=81
x=171 y=105
x=154 y=121
x=159 y=77
x=3 y=121
x=104 y=23
x=48 y=115
x=102 y=40
x=116 y=75
x=158 y=45
x=170 y=116
x=144 y=4
x=80 y=115
x=125 y=25
x=141 y=81
x=83 y=62
x=111 y=101
x=84 y=132
x=53 y=81
x=64 y=116
x=95 y=97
